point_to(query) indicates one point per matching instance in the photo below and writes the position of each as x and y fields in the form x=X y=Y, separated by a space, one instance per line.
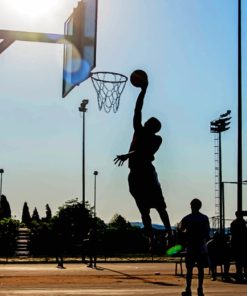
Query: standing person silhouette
x=196 y=228
x=238 y=229
x=143 y=181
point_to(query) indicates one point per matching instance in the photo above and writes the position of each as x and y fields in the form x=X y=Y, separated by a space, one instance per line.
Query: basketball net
x=109 y=87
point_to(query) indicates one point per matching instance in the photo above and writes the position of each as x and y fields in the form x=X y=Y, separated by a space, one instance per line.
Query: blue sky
x=189 y=50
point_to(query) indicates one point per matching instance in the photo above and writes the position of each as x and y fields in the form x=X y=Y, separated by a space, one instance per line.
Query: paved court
x=130 y=279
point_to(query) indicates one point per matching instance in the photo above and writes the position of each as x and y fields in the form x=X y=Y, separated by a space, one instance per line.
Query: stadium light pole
x=218 y=126
x=1 y=181
x=83 y=109
x=95 y=175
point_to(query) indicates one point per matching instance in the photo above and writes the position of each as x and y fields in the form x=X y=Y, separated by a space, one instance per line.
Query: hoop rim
x=109 y=81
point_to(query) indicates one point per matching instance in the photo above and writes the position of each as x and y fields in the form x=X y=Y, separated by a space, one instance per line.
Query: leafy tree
x=41 y=238
x=119 y=222
x=5 y=211
x=71 y=225
x=64 y=232
x=48 y=212
x=8 y=232
x=26 y=218
x=98 y=228
x=35 y=215
x=122 y=238
x=100 y=224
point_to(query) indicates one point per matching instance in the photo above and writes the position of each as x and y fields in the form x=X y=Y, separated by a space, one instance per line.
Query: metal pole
x=83 y=158
x=1 y=183
x=95 y=175
x=83 y=109
x=220 y=180
x=239 y=168
x=9 y=37
x=223 y=206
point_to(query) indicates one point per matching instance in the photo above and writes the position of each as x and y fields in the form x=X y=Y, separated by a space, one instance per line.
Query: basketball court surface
x=108 y=279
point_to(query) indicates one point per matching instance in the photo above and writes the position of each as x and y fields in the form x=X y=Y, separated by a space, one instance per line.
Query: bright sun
x=33 y=8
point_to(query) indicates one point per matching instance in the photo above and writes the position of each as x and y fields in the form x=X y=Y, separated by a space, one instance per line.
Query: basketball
x=138 y=78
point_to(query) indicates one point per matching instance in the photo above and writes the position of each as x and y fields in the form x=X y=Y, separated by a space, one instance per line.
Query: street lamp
x=1 y=181
x=218 y=126
x=83 y=109
x=95 y=175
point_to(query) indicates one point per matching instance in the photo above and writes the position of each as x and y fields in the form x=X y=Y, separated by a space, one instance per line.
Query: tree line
x=67 y=231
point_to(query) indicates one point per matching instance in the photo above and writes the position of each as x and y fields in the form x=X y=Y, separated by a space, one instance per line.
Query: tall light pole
x=218 y=126
x=83 y=109
x=239 y=149
x=95 y=175
x=1 y=181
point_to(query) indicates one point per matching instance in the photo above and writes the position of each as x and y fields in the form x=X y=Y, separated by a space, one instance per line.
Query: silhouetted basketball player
x=144 y=185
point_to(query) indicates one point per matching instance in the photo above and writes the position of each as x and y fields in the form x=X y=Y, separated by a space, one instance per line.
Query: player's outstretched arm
x=137 y=121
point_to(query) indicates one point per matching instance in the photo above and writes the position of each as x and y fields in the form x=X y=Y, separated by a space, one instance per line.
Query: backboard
x=80 y=48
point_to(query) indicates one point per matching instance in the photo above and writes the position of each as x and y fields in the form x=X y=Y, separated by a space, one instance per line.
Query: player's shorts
x=197 y=259
x=144 y=186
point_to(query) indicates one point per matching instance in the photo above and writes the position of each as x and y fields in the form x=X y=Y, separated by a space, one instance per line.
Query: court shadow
x=141 y=278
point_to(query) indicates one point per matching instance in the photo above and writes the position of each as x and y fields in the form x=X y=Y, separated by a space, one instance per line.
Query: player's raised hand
x=120 y=159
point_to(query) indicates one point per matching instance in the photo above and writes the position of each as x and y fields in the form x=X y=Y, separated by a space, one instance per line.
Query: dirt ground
x=107 y=279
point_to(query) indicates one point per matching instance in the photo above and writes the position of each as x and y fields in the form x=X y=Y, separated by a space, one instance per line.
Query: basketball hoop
x=109 y=87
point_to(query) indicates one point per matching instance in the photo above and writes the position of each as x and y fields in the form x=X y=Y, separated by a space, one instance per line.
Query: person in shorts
x=195 y=227
x=143 y=180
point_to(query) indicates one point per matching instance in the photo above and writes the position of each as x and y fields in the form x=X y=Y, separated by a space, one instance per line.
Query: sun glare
x=33 y=8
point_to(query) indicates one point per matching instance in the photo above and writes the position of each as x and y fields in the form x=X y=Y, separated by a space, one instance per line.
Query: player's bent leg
x=161 y=209
x=147 y=223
